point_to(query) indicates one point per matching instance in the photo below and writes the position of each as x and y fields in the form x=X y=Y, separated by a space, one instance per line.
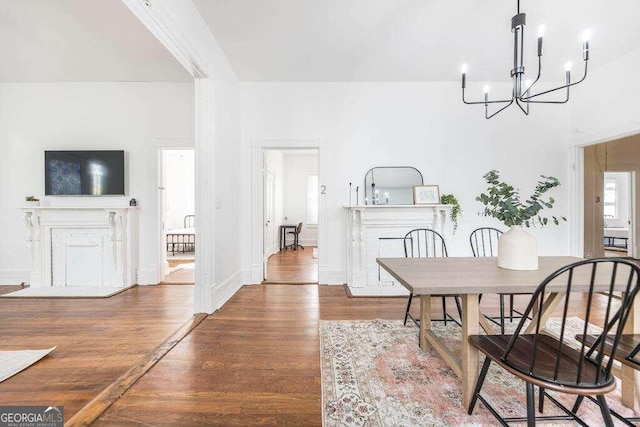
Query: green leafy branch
x=456 y=210
x=503 y=202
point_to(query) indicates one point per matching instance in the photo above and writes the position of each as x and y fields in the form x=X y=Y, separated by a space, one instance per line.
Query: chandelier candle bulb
x=586 y=35
x=540 y=36
x=521 y=96
x=464 y=75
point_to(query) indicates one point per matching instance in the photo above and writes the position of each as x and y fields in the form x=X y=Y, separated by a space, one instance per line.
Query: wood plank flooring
x=97 y=341
x=289 y=266
x=255 y=361
x=183 y=276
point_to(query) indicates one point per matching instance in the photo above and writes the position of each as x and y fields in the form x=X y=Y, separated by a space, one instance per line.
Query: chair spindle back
x=484 y=241
x=618 y=275
x=424 y=243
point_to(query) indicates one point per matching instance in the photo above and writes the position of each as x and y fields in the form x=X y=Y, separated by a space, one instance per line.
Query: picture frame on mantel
x=426 y=195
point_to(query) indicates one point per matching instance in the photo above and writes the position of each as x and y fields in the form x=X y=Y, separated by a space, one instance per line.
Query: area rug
x=12 y=362
x=374 y=374
x=66 y=292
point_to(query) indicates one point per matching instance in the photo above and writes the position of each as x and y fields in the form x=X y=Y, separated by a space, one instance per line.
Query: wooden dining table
x=469 y=277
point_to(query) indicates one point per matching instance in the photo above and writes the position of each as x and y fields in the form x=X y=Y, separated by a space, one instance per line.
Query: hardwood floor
x=97 y=341
x=255 y=361
x=289 y=266
x=182 y=276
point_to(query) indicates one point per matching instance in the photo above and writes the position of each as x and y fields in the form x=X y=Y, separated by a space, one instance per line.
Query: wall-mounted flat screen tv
x=84 y=173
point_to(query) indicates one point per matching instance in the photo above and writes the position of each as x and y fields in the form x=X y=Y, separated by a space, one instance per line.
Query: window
x=312 y=199
x=610 y=198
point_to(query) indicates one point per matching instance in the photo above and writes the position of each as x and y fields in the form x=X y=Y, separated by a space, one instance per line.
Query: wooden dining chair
x=424 y=242
x=628 y=349
x=296 y=235
x=484 y=243
x=549 y=362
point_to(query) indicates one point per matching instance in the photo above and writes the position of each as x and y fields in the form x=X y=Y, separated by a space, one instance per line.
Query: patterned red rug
x=374 y=374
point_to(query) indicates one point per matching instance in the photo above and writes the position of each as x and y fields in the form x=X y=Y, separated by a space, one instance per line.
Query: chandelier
x=522 y=93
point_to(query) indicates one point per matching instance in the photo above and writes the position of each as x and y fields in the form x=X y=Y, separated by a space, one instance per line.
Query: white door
x=164 y=207
x=269 y=216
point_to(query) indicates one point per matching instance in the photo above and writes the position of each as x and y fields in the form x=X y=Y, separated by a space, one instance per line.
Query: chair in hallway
x=424 y=242
x=296 y=234
x=484 y=243
x=548 y=361
x=189 y=221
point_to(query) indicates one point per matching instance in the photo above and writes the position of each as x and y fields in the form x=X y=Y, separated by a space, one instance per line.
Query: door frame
x=269 y=245
x=155 y=179
x=164 y=263
x=258 y=147
x=576 y=184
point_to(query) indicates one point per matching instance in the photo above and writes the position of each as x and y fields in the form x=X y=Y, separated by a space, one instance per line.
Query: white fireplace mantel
x=82 y=246
x=378 y=231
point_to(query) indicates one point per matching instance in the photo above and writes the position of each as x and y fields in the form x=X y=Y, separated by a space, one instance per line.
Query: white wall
x=424 y=125
x=58 y=116
x=296 y=168
x=604 y=106
x=180 y=186
x=227 y=115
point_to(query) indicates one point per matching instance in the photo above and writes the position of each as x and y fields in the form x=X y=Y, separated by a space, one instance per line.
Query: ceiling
x=411 y=40
x=80 y=40
x=312 y=40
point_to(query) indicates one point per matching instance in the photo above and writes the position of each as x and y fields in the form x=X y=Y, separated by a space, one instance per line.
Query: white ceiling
x=312 y=40
x=411 y=40
x=80 y=40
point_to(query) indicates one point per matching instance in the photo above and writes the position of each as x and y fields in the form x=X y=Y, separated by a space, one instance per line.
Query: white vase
x=517 y=250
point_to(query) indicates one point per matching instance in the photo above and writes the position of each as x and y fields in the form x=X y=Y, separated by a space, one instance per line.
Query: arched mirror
x=391 y=185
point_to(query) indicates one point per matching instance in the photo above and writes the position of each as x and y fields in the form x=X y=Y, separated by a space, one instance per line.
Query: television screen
x=84 y=173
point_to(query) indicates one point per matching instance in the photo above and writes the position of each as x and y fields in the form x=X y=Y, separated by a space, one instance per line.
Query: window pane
x=611 y=198
x=312 y=199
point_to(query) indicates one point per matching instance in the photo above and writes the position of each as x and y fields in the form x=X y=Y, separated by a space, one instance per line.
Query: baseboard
x=223 y=292
x=308 y=242
x=256 y=274
x=328 y=276
x=246 y=277
x=148 y=276
x=15 y=276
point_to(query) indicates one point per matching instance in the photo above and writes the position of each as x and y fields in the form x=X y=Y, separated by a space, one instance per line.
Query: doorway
x=177 y=201
x=611 y=173
x=618 y=194
x=290 y=212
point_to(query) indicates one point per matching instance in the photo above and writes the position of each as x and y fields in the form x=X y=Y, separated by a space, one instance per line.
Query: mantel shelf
x=397 y=206
x=69 y=208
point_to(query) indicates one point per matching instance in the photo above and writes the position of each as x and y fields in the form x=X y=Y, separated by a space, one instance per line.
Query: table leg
x=425 y=321
x=548 y=306
x=630 y=377
x=470 y=355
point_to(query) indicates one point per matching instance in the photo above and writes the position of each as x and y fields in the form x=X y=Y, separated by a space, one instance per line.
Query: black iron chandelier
x=522 y=93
